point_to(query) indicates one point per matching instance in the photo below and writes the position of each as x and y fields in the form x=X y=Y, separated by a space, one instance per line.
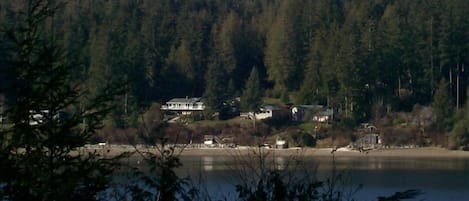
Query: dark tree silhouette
x=50 y=118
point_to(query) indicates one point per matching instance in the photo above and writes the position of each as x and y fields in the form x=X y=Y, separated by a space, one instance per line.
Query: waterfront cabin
x=368 y=141
x=184 y=105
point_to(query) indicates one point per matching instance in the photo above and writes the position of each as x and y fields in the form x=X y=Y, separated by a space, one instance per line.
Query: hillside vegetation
x=366 y=59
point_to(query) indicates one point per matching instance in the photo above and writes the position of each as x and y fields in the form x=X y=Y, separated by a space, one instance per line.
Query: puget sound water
x=440 y=179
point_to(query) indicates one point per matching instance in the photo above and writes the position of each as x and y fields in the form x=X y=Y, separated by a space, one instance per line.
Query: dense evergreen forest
x=354 y=55
x=110 y=61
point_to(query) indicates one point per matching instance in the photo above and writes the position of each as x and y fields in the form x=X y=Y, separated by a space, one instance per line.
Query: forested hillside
x=360 y=56
x=76 y=75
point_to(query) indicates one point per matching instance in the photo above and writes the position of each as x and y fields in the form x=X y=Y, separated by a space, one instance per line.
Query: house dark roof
x=314 y=107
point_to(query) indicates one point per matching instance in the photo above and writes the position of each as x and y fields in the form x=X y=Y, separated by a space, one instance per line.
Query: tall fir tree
x=251 y=99
x=279 y=59
x=39 y=152
x=443 y=106
x=215 y=87
x=460 y=132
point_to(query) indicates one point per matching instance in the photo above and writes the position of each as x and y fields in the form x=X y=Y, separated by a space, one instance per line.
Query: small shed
x=281 y=144
x=368 y=141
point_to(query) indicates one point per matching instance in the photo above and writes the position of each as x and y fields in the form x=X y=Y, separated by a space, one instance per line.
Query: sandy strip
x=395 y=152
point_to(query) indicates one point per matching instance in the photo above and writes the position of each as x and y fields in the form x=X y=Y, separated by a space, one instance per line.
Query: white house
x=316 y=113
x=184 y=105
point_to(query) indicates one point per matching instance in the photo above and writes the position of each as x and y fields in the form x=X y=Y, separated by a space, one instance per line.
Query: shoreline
x=424 y=152
x=427 y=152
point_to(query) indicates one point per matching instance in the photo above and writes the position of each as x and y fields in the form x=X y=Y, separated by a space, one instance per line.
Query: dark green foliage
x=273 y=187
x=251 y=99
x=160 y=182
x=443 y=106
x=155 y=178
x=40 y=153
x=460 y=132
x=215 y=87
x=308 y=52
x=261 y=180
x=308 y=140
x=127 y=54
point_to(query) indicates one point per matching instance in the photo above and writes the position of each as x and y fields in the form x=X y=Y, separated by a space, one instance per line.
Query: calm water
x=438 y=178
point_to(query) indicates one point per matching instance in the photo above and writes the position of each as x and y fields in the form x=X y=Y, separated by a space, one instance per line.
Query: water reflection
x=437 y=177
x=207 y=163
x=280 y=163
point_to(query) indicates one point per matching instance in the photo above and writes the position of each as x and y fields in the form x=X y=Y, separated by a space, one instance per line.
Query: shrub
x=308 y=140
x=459 y=135
x=397 y=121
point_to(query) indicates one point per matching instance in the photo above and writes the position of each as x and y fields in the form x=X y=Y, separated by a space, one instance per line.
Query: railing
x=183 y=108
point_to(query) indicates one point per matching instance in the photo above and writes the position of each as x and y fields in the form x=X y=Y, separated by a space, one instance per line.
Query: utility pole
x=346 y=107
x=83 y=123
x=431 y=57
x=1 y=111
x=125 y=103
x=399 y=86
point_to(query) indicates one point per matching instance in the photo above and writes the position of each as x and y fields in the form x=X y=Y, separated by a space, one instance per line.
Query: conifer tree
x=460 y=131
x=443 y=106
x=252 y=94
x=279 y=50
x=40 y=157
x=215 y=87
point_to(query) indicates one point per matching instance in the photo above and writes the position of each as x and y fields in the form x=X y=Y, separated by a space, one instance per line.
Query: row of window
x=186 y=105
